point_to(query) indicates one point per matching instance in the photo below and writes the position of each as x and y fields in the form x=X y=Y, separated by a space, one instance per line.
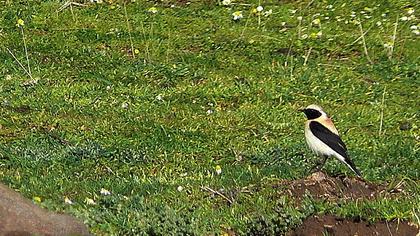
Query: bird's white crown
x=315 y=107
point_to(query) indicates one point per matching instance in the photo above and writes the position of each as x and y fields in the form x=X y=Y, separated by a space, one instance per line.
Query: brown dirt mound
x=331 y=225
x=322 y=186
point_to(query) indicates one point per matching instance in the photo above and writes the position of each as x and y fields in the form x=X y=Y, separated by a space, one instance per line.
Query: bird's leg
x=319 y=164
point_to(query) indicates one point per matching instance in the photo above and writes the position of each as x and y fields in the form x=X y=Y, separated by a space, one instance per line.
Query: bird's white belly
x=319 y=147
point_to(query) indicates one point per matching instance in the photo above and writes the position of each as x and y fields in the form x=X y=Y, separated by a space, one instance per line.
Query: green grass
x=203 y=90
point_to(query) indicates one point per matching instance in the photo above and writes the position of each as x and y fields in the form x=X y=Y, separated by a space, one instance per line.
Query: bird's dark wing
x=328 y=137
x=333 y=141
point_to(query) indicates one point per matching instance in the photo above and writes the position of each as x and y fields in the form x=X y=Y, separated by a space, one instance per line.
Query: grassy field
x=189 y=118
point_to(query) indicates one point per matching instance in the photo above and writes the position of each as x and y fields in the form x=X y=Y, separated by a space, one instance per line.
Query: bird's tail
x=352 y=167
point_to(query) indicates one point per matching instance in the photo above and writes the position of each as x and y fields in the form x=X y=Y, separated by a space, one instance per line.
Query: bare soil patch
x=321 y=186
x=332 y=225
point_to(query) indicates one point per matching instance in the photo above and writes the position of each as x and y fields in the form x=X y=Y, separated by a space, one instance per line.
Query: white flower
x=90 y=201
x=330 y=6
x=124 y=105
x=388 y=45
x=105 y=192
x=416 y=32
x=260 y=8
x=267 y=13
x=410 y=11
x=209 y=112
x=108 y=87
x=319 y=34
x=283 y=23
x=368 y=9
x=180 y=188
x=299 y=18
x=237 y=15
x=68 y=201
x=226 y=2
x=404 y=18
x=378 y=23
x=159 y=97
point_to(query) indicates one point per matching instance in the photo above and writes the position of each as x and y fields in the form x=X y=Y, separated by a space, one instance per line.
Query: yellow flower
x=36 y=199
x=237 y=15
x=152 y=10
x=317 y=21
x=90 y=201
x=68 y=201
x=136 y=51
x=218 y=170
x=368 y=9
x=20 y=23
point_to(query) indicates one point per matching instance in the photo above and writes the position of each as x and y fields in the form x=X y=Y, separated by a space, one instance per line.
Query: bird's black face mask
x=311 y=113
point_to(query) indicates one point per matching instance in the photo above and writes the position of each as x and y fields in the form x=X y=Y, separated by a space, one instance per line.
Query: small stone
x=405 y=126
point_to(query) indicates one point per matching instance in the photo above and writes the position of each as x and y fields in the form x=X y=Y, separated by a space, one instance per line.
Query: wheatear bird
x=323 y=138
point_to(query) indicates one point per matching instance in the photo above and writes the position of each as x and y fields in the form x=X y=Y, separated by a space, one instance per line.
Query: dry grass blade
x=364 y=42
x=70 y=4
x=381 y=119
x=217 y=193
x=20 y=64
x=129 y=31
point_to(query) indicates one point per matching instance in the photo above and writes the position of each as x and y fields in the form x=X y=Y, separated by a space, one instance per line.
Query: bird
x=323 y=139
